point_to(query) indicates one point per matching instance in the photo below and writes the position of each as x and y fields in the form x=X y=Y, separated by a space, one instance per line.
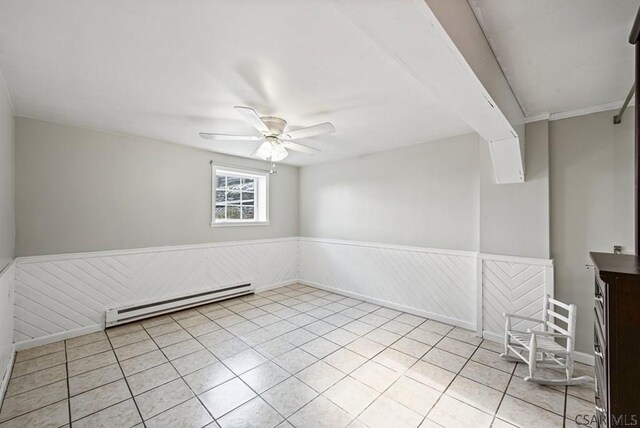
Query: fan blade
x=300 y=148
x=323 y=128
x=251 y=117
x=225 y=137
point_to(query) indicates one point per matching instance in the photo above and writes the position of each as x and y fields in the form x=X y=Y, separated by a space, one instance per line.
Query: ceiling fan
x=275 y=141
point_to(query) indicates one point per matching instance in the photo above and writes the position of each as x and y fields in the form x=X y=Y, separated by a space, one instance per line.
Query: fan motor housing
x=275 y=124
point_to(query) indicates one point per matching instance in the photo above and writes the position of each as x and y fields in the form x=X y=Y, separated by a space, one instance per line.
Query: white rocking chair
x=537 y=347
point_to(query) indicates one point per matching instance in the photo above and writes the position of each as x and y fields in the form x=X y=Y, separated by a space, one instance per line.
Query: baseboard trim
x=32 y=343
x=584 y=358
x=580 y=357
x=276 y=285
x=7 y=373
x=392 y=305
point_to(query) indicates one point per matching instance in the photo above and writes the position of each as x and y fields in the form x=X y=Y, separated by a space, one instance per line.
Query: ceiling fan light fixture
x=264 y=151
x=278 y=153
x=271 y=150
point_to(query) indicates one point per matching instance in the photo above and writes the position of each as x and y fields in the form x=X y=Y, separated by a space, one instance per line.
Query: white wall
x=592 y=179
x=7 y=219
x=424 y=195
x=7 y=235
x=83 y=190
x=514 y=218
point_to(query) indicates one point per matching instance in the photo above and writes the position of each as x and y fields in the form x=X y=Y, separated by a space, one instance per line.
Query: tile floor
x=294 y=356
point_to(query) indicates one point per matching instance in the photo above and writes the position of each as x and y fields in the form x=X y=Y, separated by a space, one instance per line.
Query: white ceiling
x=170 y=69
x=561 y=55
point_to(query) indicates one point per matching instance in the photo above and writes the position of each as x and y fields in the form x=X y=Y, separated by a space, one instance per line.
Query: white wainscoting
x=513 y=285
x=66 y=295
x=438 y=284
x=61 y=296
x=7 y=349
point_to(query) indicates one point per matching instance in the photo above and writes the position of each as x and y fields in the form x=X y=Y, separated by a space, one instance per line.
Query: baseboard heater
x=151 y=309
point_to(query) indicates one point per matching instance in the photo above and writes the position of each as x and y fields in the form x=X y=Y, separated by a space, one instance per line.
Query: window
x=239 y=197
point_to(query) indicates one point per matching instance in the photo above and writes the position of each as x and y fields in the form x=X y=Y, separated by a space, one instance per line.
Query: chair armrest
x=523 y=318
x=547 y=334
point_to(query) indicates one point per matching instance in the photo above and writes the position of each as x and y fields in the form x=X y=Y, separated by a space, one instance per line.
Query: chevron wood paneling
x=55 y=295
x=6 y=324
x=62 y=294
x=436 y=283
x=513 y=287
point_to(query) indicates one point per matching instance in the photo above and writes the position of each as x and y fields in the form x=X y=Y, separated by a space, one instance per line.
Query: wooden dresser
x=617 y=339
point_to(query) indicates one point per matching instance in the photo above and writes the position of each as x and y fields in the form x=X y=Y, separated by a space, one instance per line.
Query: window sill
x=238 y=223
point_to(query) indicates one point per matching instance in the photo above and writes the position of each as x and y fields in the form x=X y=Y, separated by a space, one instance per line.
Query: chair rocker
x=538 y=346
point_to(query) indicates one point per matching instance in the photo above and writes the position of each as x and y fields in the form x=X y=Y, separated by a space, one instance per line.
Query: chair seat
x=545 y=344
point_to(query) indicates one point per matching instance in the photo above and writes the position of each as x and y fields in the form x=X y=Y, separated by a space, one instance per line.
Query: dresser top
x=616 y=263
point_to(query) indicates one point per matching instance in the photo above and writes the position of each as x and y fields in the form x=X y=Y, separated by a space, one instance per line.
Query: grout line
x=66 y=367
x=126 y=381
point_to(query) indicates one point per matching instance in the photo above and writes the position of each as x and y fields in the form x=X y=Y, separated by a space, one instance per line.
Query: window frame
x=261 y=195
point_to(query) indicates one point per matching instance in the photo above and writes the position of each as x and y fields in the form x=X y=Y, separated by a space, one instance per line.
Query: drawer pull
x=600 y=409
x=598 y=353
x=599 y=298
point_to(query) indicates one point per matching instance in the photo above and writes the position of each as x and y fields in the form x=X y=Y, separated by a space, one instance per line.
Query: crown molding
x=577 y=112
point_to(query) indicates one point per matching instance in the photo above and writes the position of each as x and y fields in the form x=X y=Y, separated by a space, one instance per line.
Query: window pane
x=221 y=179
x=233 y=183
x=220 y=212
x=233 y=212
x=248 y=184
x=247 y=198
x=220 y=196
x=247 y=213
x=233 y=197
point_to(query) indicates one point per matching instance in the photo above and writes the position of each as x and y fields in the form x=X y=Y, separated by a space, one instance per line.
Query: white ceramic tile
x=412 y=394
x=411 y=347
x=320 y=347
x=451 y=413
x=162 y=398
x=93 y=379
x=18 y=385
x=385 y=412
x=320 y=376
x=53 y=415
x=486 y=375
x=433 y=376
x=36 y=398
x=289 y=396
x=244 y=361
x=97 y=399
x=255 y=413
x=209 y=377
x=274 y=347
x=375 y=375
x=395 y=360
x=124 y=414
x=515 y=411
x=321 y=413
x=190 y=414
x=264 y=376
x=226 y=397
x=151 y=378
x=475 y=394
x=345 y=360
x=295 y=360
x=192 y=362
x=351 y=395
